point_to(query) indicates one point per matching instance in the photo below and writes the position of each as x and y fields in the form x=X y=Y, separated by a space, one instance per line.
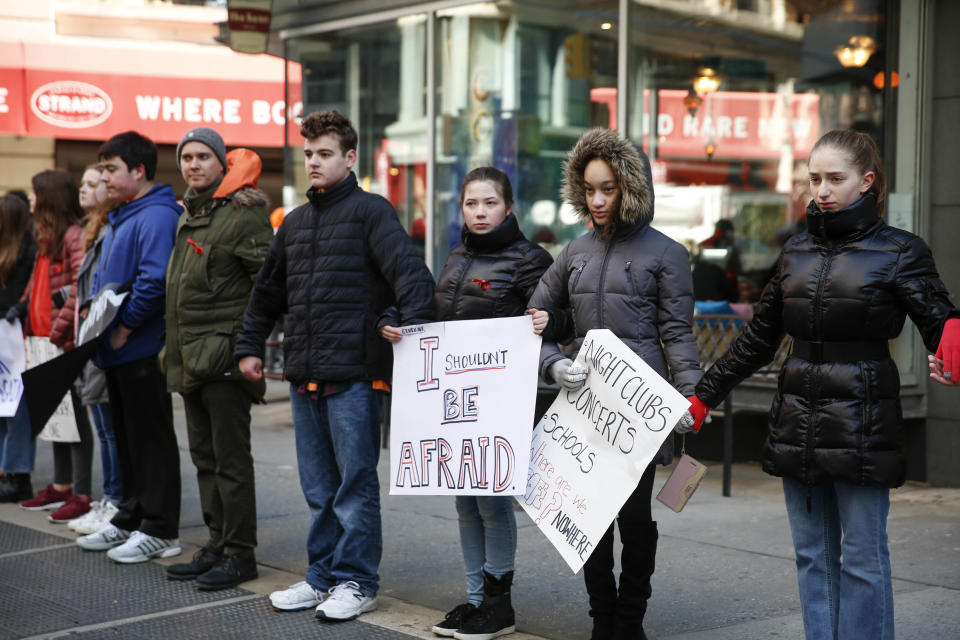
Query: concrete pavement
x=725 y=566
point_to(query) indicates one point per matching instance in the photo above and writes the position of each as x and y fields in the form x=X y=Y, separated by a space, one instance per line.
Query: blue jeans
x=843 y=561
x=112 y=482
x=18 y=448
x=488 y=537
x=338 y=445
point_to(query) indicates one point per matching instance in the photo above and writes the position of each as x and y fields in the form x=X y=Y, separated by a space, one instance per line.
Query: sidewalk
x=725 y=566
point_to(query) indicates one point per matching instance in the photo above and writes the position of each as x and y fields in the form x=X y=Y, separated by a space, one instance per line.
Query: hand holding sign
x=591 y=448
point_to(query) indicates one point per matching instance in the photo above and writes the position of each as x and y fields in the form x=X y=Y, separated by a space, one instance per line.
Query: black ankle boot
x=229 y=572
x=203 y=561
x=16 y=487
x=495 y=616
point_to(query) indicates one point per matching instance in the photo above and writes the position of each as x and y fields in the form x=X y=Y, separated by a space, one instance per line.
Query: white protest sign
x=62 y=425
x=591 y=448
x=463 y=401
x=12 y=363
x=103 y=309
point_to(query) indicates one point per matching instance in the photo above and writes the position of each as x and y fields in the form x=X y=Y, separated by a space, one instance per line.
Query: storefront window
x=375 y=75
x=516 y=91
x=729 y=105
x=726 y=102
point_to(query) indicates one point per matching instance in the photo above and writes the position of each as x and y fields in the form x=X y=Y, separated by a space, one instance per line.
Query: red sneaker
x=49 y=498
x=75 y=506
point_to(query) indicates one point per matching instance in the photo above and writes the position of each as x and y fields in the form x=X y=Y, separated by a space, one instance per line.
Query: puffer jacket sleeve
x=401 y=265
x=922 y=293
x=268 y=300
x=552 y=295
x=62 y=330
x=753 y=348
x=529 y=273
x=675 y=318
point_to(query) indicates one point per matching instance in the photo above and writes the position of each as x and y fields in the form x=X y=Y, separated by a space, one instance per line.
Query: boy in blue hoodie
x=136 y=249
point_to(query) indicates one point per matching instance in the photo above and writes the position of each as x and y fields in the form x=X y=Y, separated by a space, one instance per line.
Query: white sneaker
x=106 y=537
x=141 y=547
x=296 y=597
x=346 y=602
x=87 y=518
x=100 y=513
x=103 y=518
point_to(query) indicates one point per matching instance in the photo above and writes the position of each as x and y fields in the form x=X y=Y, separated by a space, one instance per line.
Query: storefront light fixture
x=606 y=26
x=710 y=148
x=856 y=51
x=707 y=80
x=692 y=102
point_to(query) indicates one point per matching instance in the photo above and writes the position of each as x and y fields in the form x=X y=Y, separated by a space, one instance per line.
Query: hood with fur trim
x=630 y=167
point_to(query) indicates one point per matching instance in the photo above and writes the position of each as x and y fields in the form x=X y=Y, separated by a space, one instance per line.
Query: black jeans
x=147 y=448
x=218 y=428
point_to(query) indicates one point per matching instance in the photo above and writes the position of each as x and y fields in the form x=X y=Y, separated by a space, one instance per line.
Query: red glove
x=698 y=410
x=949 y=348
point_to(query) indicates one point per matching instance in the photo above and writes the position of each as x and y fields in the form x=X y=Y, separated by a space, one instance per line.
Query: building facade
x=725 y=96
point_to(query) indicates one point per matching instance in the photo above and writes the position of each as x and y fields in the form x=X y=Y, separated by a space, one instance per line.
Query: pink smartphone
x=681 y=484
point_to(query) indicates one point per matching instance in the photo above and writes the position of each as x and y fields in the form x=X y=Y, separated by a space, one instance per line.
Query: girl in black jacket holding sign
x=491 y=273
x=841 y=291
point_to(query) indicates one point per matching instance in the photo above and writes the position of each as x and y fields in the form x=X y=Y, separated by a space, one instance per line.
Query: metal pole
x=623 y=67
x=431 y=138
x=727 y=443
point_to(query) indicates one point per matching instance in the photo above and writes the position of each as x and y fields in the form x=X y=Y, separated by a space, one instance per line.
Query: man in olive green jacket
x=222 y=240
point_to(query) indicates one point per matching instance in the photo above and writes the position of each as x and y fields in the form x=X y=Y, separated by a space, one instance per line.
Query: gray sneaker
x=141 y=547
x=107 y=537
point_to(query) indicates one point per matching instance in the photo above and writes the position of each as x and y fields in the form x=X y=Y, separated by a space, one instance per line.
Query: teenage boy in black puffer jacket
x=334 y=266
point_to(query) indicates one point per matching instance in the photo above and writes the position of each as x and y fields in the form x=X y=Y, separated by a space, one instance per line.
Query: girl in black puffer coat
x=842 y=291
x=490 y=274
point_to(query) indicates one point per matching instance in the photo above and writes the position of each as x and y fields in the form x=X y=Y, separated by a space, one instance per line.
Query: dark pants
x=627 y=605
x=147 y=448
x=218 y=428
x=72 y=460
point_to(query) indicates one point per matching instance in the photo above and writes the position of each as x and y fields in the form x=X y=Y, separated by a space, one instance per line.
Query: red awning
x=81 y=91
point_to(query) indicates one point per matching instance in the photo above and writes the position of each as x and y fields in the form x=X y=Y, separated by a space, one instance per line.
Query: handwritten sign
x=591 y=448
x=12 y=364
x=463 y=402
x=62 y=425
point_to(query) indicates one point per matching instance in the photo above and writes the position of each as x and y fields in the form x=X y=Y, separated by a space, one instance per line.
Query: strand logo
x=68 y=103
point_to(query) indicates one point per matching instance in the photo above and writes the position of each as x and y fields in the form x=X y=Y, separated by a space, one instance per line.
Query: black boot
x=229 y=572
x=638 y=563
x=495 y=616
x=602 y=587
x=454 y=619
x=16 y=487
x=203 y=561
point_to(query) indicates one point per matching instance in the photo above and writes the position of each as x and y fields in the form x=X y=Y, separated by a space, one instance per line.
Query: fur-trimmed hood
x=630 y=166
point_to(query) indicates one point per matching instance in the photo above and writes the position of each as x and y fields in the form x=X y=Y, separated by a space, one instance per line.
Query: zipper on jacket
x=817 y=318
x=814 y=389
x=629 y=274
x=603 y=281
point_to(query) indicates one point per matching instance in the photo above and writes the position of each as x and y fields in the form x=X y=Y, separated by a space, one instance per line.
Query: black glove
x=13 y=313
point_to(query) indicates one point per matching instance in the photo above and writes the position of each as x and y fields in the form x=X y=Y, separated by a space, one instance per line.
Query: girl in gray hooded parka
x=628 y=277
